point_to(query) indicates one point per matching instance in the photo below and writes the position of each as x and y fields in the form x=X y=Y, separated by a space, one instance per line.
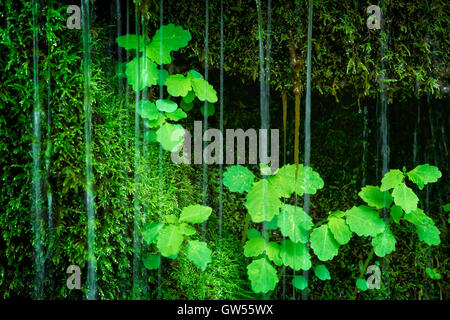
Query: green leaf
x=432 y=273
x=295 y=255
x=151 y=231
x=189 y=98
x=254 y=247
x=253 y=233
x=323 y=243
x=152 y=261
x=178 y=85
x=391 y=179
x=186 y=106
x=163 y=74
x=340 y=230
x=168 y=38
x=300 y=282
x=171 y=136
x=176 y=115
x=210 y=109
x=405 y=197
x=148 y=110
x=141 y=73
x=285 y=180
x=384 y=242
x=171 y=218
x=273 y=252
x=294 y=223
x=262 y=275
x=263 y=202
x=396 y=213
x=446 y=207
x=238 y=179
x=195 y=213
x=155 y=123
x=364 y=221
x=425 y=227
x=198 y=253
x=375 y=198
x=361 y=284
x=166 y=105
x=130 y=41
x=187 y=229
x=423 y=174
x=192 y=74
x=272 y=224
x=203 y=90
x=169 y=240
x=150 y=136
x=322 y=272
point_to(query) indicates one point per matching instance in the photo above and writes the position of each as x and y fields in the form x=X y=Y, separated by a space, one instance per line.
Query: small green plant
x=167 y=238
x=433 y=274
x=142 y=72
x=264 y=204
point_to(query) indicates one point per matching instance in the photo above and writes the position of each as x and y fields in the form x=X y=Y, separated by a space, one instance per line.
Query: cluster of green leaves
x=142 y=72
x=169 y=236
x=263 y=202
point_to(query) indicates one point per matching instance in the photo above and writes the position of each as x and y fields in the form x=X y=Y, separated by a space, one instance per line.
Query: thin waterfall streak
x=365 y=136
x=36 y=176
x=205 y=118
x=221 y=125
x=137 y=214
x=160 y=162
x=306 y=200
x=92 y=274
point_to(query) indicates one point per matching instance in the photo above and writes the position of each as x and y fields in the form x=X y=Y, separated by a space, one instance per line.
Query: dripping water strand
x=364 y=143
x=221 y=125
x=306 y=202
x=92 y=281
x=36 y=176
x=205 y=117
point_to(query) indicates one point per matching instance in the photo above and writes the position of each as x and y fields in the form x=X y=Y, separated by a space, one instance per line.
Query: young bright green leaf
x=198 y=253
x=294 y=223
x=263 y=202
x=151 y=231
x=238 y=179
x=295 y=255
x=364 y=221
x=152 y=261
x=192 y=74
x=405 y=197
x=169 y=240
x=141 y=73
x=210 y=109
x=155 y=123
x=168 y=38
x=171 y=136
x=148 y=110
x=285 y=180
x=130 y=41
x=263 y=276
x=300 y=282
x=253 y=233
x=340 y=230
x=176 y=115
x=323 y=243
x=446 y=207
x=187 y=229
x=425 y=227
x=375 y=198
x=178 y=85
x=396 y=213
x=384 y=242
x=254 y=247
x=195 y=213
x=163 y=74
x=322 y=272
x=171 y=218
x=166 y=105
x=265 y=170
x=361 y=284
x=150 y=136
x=423 y=174
x=432 y=273
x=203 y=90
x=272 y=224
x=273 y=252
x=391 y=179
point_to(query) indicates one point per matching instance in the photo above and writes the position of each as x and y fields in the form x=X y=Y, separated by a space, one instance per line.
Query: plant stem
x=362 y=270
x=244 y=232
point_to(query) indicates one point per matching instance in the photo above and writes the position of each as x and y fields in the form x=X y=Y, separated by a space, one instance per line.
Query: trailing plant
x=166 y=238
x=142 y=71
x=264 y=204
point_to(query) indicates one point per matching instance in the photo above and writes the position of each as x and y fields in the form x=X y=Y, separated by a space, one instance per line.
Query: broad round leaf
x=210 y=109
x=391 y=179
x=238 y=179
x=384 y=242
x=263 y=202
x=323 y=243
x=263 y=276
x=178 y=85
x=171 y=136
x=364 y=221
x=130 y=41
x=375 y=198
x=295 y=255
x=322 y=272
x=195 y=213
x=396 y=213
x=361 y=284
x=300 y=282
x=203 y=90
x=151 y=231
x=198 y=253
x=166 y=105
x=141 y=73
x=176 y=115
x=294 y=223
x=405 y=197
x=169 y=240
x=340 y=230
x=148 y=110
x=152 y=261
x=423 y=174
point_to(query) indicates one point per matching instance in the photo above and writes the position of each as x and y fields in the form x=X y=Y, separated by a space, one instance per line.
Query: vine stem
x=362 y=270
